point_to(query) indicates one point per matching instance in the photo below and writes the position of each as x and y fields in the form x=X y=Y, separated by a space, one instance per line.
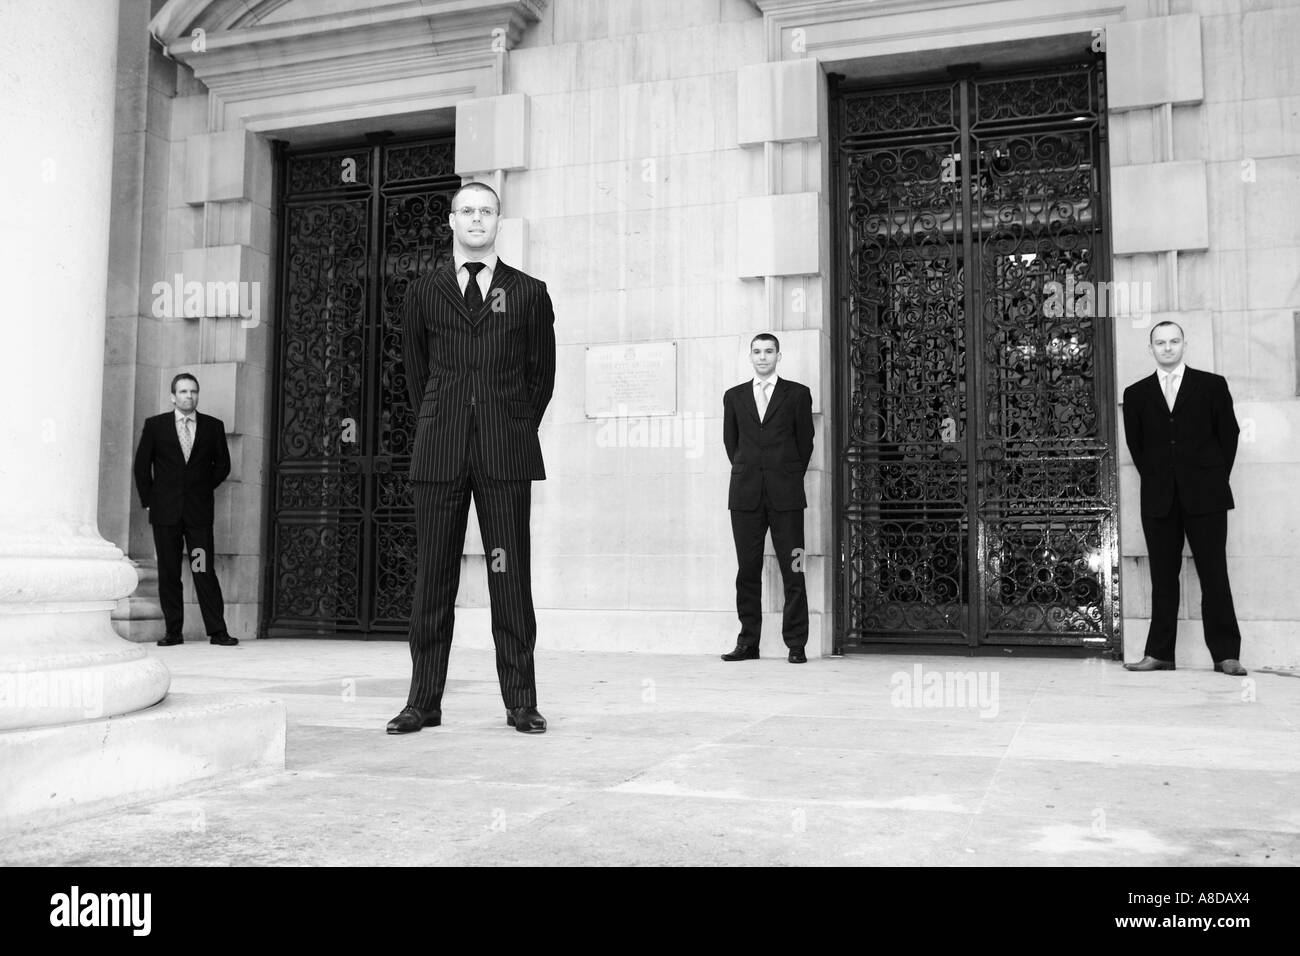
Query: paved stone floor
x=688 y=760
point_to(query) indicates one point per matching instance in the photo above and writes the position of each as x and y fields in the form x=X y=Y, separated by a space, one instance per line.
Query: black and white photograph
x=652 y=434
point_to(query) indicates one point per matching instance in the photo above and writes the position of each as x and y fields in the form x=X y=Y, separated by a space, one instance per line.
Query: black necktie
x=473 y=294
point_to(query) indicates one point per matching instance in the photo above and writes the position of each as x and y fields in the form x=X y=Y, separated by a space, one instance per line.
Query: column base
x=139 y=617
x=54 y=774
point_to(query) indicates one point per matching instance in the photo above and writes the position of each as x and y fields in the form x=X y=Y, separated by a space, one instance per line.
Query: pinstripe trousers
x=441 y=516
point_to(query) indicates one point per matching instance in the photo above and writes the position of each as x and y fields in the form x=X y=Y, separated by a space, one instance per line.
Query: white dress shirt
x=484 y=275
x=771 y=383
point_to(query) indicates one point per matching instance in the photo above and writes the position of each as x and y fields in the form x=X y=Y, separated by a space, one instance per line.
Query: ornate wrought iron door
x=976 y=486
x=357 y=226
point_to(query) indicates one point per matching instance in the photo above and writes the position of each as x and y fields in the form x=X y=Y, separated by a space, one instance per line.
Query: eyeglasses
x=485 y=212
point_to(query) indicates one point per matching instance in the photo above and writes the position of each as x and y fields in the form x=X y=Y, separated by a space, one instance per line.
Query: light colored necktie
x=1170 y=394
x=187 y=440
x=762 y=400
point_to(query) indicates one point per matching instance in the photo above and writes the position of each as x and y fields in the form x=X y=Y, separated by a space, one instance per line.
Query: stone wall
x=1222 y=115
x=664 y=169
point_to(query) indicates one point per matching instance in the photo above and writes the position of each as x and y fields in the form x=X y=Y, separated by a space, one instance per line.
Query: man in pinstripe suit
x=479 y=349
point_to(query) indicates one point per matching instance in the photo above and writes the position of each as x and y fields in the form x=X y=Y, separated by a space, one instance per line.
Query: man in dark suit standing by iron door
x=181 y=459
x=479 y=351
x=767 y=429
x=1182 y=433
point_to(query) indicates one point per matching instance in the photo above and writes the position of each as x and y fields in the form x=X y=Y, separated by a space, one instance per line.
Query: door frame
x=375 y=146
x=1104 y=374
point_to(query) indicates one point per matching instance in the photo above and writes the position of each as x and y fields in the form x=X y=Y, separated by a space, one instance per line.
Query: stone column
x=60 y=659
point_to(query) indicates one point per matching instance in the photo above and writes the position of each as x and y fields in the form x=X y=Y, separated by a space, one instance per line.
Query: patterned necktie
x=473 y=294
x=762 y=400
x=187 y=440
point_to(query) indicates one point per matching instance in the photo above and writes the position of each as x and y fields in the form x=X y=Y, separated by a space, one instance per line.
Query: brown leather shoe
x=1150 y=664
x=412 y=719
x=1230 y=666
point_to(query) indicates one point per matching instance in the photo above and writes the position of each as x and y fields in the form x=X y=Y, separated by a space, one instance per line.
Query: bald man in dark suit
x=1182 y=433
x=479 y=351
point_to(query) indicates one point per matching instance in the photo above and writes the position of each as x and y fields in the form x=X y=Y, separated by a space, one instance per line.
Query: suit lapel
x=1154 y=390
x=503 y=277
x=1188 y=384
x=444 y=280
x=778 y=395
x=748 y=401
x=169 y=428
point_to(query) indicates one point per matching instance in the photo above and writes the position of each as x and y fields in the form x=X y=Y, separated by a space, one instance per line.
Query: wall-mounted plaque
x=631 y=380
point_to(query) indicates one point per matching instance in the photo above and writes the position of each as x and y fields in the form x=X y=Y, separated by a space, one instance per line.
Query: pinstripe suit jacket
x=501 y=360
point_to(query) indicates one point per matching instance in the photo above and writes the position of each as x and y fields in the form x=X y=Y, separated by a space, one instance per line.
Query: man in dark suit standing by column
x=767 y=429
x=479 y=351
x=1182 y=432
x=181 y=459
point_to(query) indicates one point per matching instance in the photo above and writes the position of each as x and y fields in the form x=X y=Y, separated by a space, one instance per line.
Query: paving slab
x=653 y=759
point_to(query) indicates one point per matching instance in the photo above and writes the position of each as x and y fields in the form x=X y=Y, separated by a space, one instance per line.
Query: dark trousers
x=749 y=528
x=441 y=515
x=197 y=549
x=1208 y=536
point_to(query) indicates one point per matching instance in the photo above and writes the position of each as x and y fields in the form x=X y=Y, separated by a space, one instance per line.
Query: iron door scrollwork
x=976 y=487
x=358 y=225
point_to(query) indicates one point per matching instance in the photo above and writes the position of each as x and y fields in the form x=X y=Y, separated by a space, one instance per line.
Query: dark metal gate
x=357 y=225
x=976 y=486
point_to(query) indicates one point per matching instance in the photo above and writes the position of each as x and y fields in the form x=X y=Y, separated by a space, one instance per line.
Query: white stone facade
x=664 y=168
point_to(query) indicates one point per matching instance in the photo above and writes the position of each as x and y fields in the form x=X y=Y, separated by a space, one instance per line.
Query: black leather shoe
x=526 y=720
x=225 y=640
x=797 y=656
x=170 y=640
x=1230 y=666
x=412 y=719
x=1150 y=664
x=742 y=653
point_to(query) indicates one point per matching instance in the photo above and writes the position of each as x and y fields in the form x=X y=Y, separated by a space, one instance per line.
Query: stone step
x=69 y=771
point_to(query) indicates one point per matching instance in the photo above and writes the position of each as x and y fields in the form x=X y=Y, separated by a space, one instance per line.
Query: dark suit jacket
x=176 y=491
x=501 y=361
x=1194 y=445
x=772 y=453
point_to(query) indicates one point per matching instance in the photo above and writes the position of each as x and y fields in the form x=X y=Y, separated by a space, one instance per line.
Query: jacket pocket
x=521 y=410
x=793 y=466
